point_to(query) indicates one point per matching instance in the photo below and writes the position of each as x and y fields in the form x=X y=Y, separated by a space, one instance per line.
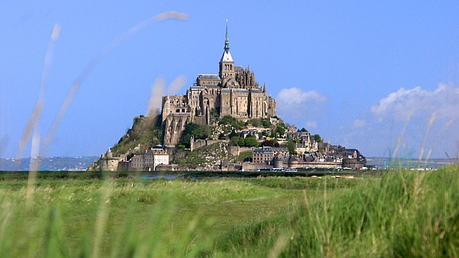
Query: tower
x=226 y=62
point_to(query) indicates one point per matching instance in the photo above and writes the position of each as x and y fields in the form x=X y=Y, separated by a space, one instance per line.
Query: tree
x=233 y=133
x=214 y=114
x=241 y=142
x=317 y=138
x=255 y=122
x=197 y=130
x=186 y=140
x=234 y=140
x=266 y=123
x=280 y=130
x=251 y=142
x=291 y=145
x=229 y=120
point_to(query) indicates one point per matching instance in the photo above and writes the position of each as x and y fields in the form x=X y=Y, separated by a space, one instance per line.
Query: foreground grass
x=399 y=214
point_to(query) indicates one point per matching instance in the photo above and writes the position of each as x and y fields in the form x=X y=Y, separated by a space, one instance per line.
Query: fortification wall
x=108 y=164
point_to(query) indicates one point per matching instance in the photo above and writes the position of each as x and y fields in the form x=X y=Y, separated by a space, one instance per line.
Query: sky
x=378 y=76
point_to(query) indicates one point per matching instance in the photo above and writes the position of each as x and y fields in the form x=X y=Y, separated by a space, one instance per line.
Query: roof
x=199 y=88
x=209 y=76
x=238 y=68
x=226 y=57
x=264 y=149
x=235 y=90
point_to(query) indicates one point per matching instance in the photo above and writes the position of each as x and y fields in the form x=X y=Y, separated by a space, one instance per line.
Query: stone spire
x=226 y=37
x=226 y=57
x=226 y=62
x=264 y=88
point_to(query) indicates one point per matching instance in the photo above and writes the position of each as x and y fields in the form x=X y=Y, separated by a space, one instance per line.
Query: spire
x=264 y=88
x=226 y=37
x=226 y=57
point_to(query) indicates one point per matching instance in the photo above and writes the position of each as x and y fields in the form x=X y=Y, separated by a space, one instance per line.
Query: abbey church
x=233 y=91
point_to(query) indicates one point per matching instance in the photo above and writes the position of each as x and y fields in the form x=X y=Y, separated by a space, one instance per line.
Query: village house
x=264 y=154
x=155 y=157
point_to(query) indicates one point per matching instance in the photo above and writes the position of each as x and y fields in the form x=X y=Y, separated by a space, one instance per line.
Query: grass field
x=397 y=214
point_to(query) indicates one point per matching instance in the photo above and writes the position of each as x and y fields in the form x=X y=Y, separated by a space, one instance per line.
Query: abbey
x=233 y=91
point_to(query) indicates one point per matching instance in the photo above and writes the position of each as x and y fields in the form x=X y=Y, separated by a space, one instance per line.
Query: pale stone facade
x=155 y=157
x=137 y=162
x=233 y=91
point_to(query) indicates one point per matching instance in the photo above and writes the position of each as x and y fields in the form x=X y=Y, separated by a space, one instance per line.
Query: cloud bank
x=300 y=107
x=298 y=96
x=411 y=121
x=400 y=104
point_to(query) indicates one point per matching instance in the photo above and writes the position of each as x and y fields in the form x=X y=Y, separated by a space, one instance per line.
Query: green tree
x=214 y=114
x=266 y=123
x=280 y=129
x=291 y=145
x=251 y=142
x=186 y=140
x=241 y=142
x=233 y=133
x=317 y=138
x=255 y=122
x=229 y=120
x=197 y=130
x=234 y=140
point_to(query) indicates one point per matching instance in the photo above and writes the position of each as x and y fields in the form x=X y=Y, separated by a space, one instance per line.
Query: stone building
x=155 y=157
x=264 y=154
x=233 y=91
x=137 y=162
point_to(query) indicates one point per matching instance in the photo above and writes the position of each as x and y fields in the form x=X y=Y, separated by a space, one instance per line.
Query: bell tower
x=226 y=62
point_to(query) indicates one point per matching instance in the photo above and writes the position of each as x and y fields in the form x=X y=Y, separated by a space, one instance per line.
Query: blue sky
x=358 y=73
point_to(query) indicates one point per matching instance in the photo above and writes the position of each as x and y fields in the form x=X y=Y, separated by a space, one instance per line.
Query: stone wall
x=234 y=150
x=108 y=164
x=170 y=167
x=199 y=143
x=302 y=164
x=250 y=166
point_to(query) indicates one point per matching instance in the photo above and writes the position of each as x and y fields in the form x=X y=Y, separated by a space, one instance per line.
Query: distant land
x=82 y=163
x=384 y=162
x=49 y=164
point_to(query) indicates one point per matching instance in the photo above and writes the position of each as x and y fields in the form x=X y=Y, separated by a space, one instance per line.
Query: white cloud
x=311 y=124
x=297 y=106
x=298 y=96
x=444 y=101
x=359 y=123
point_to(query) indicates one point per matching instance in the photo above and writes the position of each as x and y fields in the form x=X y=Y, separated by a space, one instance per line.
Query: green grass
x=397 y=214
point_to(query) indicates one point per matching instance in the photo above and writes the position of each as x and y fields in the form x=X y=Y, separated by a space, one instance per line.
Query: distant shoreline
x=72 y=164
